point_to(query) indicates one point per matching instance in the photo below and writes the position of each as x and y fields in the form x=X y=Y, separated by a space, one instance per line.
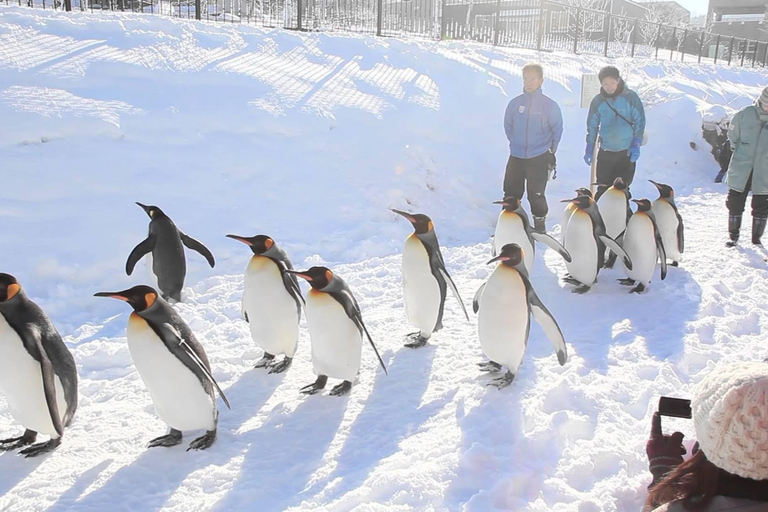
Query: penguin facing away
x=504 y=305
x=173 y=366
x=643 y=243
x=513 y=227
x=669 y=222
x=164 y=242
x=336 y=330
x=569 y=209
x=615 y=211
x=584 y=240
x=38 y=376
x=425 y=280
x=272 y=302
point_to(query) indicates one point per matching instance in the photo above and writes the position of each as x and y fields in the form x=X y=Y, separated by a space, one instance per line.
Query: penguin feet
x=638 y=289
x=610 y=261
x=41 y=448
x=341 y=389
x=569 y=279
x=674 y=264
x=316 y=386
x=626 y=282
x=171 y=439
x=418 y=340
x=581 y=290
x=265 y=361
x=503 y=381
x=489 y=366
x=281 y=366
x=203 y=442
x=28 y=437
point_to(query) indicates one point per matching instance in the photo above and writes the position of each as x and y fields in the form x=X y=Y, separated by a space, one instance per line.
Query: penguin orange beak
x=637 y=201
x=498 y=258
x=144 y=207
x=503 y=203
x=241 y=239
x=406 y=215
x=567 y=200
x=111 y=295
x=657 y=185
x=300 y=274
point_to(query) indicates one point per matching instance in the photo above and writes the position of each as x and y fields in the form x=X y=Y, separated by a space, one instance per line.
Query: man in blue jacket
x=533 y=124
x=617 y=115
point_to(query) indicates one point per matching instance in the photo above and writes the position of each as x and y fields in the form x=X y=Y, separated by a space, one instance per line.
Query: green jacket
x=749 y=141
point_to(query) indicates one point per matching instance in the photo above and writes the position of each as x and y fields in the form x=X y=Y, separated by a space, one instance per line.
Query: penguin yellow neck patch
x=13 y=290
x=150 y=299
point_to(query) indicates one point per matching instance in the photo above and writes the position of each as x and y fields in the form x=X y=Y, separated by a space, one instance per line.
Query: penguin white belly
x=504 y=317
x=613 y=209
x=271 y=310
x=569 y=209
x=336 y=342
x=666 y=220
x=177 y=394
x=580 y=242
x=510 y=229
x=21 y=382
x=640 y=245
x=421 y=291
x=151 y=272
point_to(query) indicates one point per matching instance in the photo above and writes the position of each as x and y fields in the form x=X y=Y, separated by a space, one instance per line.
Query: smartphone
x=675 y=407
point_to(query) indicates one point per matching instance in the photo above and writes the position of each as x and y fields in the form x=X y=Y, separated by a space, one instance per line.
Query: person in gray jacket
x=729 y=466
x=748 y=169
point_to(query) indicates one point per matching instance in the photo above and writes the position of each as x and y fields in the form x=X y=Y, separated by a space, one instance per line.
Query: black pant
x=737 y=200
x=612 y=165
x=536 y=172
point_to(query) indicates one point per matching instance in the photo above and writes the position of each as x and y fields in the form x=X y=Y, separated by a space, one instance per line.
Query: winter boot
x=734 y=225
x=720 y=176
x=539 y=224
x=758 y=228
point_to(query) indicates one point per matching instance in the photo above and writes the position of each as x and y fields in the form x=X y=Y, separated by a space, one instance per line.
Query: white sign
x=590 y=87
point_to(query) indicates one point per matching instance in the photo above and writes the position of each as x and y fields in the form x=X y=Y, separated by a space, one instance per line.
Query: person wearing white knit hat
x=729 y=471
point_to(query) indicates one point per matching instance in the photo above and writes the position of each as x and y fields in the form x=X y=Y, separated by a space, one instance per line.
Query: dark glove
x=665 y=452
x=588 y=154
x=634 y=150
x=551 y=165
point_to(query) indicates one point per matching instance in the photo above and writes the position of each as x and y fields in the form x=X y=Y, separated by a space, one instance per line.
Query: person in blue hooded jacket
x=617 y=115
x=534 y=125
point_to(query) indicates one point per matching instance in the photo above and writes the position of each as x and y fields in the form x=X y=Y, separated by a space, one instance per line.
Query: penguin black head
x=259 y=244
x=9 y=287
x=581 y=202
x=140 y=297
x=510 y=255
x=510 y=203
x=152 y=211
x=421 y=223
x=665 y=191
x=583 y=192
x=318 y=277
x=643 y=205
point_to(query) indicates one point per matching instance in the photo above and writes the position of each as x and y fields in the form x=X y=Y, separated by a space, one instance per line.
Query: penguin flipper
x=662 y=255
x=616 y=248
x=138 y=252
x=196 y=360
x=370 y=340
x=552 y=244
x=344 y=297
x=193 y=244
x=476 y=300
x=292 y=286
x=547 y=322
x=680 y=235
x=454 y=290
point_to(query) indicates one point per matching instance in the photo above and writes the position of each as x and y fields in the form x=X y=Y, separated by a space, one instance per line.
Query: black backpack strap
x=617 y=113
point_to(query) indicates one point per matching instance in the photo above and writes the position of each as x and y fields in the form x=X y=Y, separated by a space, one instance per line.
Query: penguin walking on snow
x=173 y=366
x=164 y=242
x=642 y=242
x=336 y=329
x=513 y=227
x=669 y=222
x=38 y=376
x=272 y=302
x=504 y=306
x=584 y=239
x=425 y=280
x=569 y=209
x=615 y=211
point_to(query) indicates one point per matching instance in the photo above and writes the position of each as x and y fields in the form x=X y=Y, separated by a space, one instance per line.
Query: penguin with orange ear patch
x=336 y=328
x=173 y=366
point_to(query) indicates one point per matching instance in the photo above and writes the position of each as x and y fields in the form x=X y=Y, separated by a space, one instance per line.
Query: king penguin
x=513 y=227
x=336 y=329
x=614 y=209
x=643 y=243
x=425 y=280
x=584 y=240
x=272 y=302
x=173 y=366
x=164 y=242
x=38 y=376
x=669 y=222
x=504 y=306
x=569 y=209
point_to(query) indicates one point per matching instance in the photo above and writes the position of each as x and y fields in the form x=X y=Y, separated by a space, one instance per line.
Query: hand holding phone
x=675 y=407
x=665 y=452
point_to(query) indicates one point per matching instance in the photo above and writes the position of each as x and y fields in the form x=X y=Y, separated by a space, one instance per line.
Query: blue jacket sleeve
x=509 y=122
x=593 y=120
x=556 y=124
x=638 y=116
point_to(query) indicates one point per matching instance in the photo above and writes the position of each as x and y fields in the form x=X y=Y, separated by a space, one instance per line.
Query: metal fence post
x=744 y=52
x=634 y=37
x=754 y=54
x=730 y=51
x=658 y=39
x=198 y=10
x=299 y=14
x=673 y=40
x=443 y=20
x=682 y=46
x=765 y=55
x=701 y=46
x=379 y=16
x=542 y=24
x=576 y=35
x=68 y=5
x=717 y=47
x=496 y=28
x=608 y=35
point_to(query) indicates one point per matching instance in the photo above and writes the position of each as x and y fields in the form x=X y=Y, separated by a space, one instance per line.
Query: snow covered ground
x=310 y=138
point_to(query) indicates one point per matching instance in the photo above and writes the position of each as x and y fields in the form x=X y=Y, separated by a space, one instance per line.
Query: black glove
x=551 y=164
x=665 y=452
